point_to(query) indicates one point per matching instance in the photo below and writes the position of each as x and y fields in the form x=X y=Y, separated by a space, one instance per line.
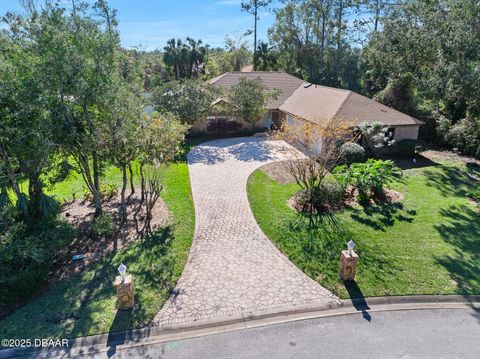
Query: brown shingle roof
x=316 y=103
x=282 y=81
x=358 y=108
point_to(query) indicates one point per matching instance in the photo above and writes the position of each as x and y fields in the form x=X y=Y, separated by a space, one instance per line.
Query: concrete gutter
x=157 y=334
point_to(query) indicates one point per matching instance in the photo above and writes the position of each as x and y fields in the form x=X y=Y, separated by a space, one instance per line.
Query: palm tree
x=266 y=57
x=197 y=55
x=174 y=51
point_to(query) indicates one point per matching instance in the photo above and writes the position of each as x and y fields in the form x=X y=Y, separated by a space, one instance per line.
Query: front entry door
x=276 y=123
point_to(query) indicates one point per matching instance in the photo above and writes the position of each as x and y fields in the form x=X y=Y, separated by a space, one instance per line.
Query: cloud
x=229 y=2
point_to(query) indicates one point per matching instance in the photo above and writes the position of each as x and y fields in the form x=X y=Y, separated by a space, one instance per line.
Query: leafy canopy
x=248 y=99
x=189 y=100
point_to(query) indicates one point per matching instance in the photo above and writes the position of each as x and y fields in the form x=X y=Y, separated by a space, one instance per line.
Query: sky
x=150 y=23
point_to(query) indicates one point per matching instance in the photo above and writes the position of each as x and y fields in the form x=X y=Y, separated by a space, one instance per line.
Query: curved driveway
x=233 y=268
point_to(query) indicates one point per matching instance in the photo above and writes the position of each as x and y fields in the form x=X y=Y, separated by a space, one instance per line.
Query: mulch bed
x=80 y=213
x=436 y=155
x=279 y=172
x=349 y=201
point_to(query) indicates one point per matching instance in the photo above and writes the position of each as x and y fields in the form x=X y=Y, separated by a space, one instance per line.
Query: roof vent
x=307 y=86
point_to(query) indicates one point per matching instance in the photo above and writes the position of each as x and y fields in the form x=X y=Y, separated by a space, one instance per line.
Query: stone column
x=125 y=292
x=348 y=265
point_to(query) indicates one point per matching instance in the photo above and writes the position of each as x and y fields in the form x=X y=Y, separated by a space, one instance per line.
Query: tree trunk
x=132 y=186
x=35 y=192
x=255 y=37
x=96 y=186
x=177 y=71
x=377 y=15
x=339 y=39
x=190 y=68
x=142 y=182
x=322 y=46
x=123 y=207
x=10 y=173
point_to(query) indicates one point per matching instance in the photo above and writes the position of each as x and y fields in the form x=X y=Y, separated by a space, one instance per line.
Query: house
x=301 y=101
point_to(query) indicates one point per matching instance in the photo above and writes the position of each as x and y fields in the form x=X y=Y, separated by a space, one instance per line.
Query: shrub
x=465 y=135
x=26 y=255
x=352 y=153
x=325 y=196
x=49 y=206
x=475 y=194
x=404 y=148
x=87 y=195
x=108 y=190
x=369 y=178
x=102 y=226
x=375 y=138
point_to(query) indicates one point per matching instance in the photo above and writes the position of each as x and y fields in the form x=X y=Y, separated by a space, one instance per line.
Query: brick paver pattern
x=233 y=268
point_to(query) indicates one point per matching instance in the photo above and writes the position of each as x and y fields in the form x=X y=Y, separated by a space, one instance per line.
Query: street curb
x=155 y=334
x=202 y=324
x=411 y=299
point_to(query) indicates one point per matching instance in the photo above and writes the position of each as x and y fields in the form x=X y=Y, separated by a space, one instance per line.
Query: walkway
x=233 y=267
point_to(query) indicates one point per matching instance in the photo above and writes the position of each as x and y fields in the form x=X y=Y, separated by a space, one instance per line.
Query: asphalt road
x=452 y=333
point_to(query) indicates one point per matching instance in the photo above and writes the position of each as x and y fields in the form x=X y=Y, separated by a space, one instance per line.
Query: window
x=211 y=124
x=221 y=124
x=390 y=134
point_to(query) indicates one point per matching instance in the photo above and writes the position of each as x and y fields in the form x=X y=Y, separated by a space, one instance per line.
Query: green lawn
x=427 y=244
x=85 y=303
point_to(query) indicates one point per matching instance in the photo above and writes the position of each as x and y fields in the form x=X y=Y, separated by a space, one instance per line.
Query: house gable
x=285 y=83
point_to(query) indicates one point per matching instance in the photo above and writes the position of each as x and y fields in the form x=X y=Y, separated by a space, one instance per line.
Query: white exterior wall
x=296 y=122
x=406 y=132
x=267 y=120
x=292 y=121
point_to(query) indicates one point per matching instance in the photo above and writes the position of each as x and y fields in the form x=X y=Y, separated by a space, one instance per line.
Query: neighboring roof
x=287 y=84
x=316 y=103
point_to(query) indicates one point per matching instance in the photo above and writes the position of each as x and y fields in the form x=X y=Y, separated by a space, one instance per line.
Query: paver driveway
x=232 y=266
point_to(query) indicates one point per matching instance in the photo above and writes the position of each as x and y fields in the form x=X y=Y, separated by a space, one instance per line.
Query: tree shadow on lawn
x=407 y=163
x=320 y=240
x=473 y=167
x=152 y=269
x=320 y=236
x=84 y=303
x=460 y=227
x=381 y=216
x=450 y=180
